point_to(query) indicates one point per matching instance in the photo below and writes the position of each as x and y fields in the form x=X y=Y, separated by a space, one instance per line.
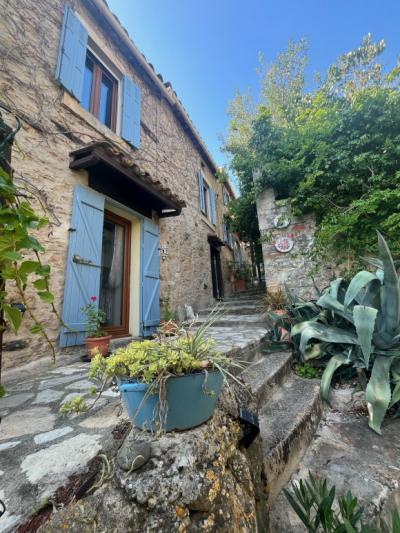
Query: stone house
x=135 y=209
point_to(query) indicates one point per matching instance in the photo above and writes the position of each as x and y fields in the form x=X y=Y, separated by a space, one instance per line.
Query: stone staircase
x=289 y=407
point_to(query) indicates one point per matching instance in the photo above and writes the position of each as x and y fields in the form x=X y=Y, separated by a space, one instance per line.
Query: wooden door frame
x=218 y=274
x=123 y=330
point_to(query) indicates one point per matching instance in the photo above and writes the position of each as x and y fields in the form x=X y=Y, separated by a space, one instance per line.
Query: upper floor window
x=225 y=195
x=100 y=92
x=207 y=199
x=93 y=85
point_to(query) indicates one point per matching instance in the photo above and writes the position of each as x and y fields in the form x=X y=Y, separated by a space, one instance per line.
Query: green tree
x=334 y=149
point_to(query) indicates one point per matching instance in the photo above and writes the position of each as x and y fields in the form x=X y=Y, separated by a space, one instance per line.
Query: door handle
x=78 y=259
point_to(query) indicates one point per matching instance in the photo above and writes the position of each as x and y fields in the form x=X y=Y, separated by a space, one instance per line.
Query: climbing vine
x=21 y=267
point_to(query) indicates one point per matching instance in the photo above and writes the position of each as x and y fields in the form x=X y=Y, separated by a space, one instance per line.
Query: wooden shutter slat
x=150 y=272
x=131 y=104
x=72 y=54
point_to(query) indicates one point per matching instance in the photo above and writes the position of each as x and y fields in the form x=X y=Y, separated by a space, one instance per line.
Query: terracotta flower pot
x=168 y=327
x=240 y=285
x=101 y=343
x=283 y=333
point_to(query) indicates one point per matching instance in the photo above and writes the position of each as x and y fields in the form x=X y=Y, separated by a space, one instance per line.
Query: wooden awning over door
x=115 y=174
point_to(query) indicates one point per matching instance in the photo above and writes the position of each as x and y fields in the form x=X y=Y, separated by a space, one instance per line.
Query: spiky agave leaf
x=378 y=392
x=390 y=291
x=334 y=363
x=328 y=302
x=359 y=281
x=330 y=334
x=364 y=321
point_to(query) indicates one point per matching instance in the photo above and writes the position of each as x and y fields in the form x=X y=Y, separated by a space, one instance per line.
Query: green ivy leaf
x=27 y=267
x=11 y=256
x=46 y=296
x=14 y=315
x=40 y=284
x=36 y=328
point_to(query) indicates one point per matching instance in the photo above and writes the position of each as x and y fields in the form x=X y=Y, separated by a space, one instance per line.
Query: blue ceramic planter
x=190 y=401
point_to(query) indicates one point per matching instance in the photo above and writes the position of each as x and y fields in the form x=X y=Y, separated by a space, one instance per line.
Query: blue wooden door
x=150 y=308
x=82 y=280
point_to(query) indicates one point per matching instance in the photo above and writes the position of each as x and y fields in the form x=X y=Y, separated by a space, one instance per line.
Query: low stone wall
x=198 y=480
x=293 y=267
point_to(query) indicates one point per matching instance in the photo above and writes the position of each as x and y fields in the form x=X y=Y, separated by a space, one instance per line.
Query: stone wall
x=54 y=124
x=200 y=480
x=293 y=268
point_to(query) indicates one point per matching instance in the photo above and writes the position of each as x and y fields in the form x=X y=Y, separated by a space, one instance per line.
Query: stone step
x=238 y=302
x=287 y=425
x=242 y=343
x=245 y=296
x=265 y=375
x=233 y=321
x=230 y=309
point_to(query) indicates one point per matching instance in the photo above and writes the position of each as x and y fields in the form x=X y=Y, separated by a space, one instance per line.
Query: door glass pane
x=112 y=272
x=105 y=105
x=87 y=84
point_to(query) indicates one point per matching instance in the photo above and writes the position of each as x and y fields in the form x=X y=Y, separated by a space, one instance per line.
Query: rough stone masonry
x=54 y=124
x=293 y=267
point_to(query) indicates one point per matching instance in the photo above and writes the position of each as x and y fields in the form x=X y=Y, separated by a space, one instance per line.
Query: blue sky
x=208 y=49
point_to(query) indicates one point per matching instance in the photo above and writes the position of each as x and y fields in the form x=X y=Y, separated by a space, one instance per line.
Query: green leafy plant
x=155 y=361
x=240 y=271
x=275 y=300
x=167 y=314
x=306 y=370
x=359 y=326
x=95 y=318
x=21 y=267
x=320 y=510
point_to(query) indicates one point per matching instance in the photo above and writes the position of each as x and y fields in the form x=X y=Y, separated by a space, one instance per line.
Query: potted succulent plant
x=241 y=276
x=97 y=340
x=166 y=384
x=276 y=302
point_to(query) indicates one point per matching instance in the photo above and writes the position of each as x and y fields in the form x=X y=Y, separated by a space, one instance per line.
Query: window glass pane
x=87 y=84
x=112 y=272
x=105 y=104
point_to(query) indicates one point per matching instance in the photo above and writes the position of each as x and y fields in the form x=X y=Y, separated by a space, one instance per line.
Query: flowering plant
x=95 y=317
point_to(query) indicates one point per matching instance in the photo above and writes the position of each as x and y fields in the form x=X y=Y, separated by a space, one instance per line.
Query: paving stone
x=105 y=418
x=8 y=445
x=52 y=466
x=48 y=396
x=25 y=422
x=83 y=384
x=54 y=382
x=68 y=371
x=15 y=400
x=42 y=438
x=8 y=520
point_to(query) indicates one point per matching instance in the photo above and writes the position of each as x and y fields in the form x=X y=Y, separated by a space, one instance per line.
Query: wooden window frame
x=98 y=70
x=123 y=329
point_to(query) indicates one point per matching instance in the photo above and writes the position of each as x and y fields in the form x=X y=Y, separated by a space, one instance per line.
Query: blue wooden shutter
x=72 y=54
x=150 y=308
x=200 y=182
x=213 y=207
x=82 y=278
x=130 y=129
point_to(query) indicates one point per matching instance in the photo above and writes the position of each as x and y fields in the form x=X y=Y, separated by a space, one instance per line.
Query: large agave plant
x=359 y=325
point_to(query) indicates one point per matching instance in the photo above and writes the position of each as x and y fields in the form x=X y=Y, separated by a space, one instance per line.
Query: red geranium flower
x=93 y=298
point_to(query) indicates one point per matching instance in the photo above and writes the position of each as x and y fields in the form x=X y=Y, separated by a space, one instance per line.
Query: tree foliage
x=334 y=149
